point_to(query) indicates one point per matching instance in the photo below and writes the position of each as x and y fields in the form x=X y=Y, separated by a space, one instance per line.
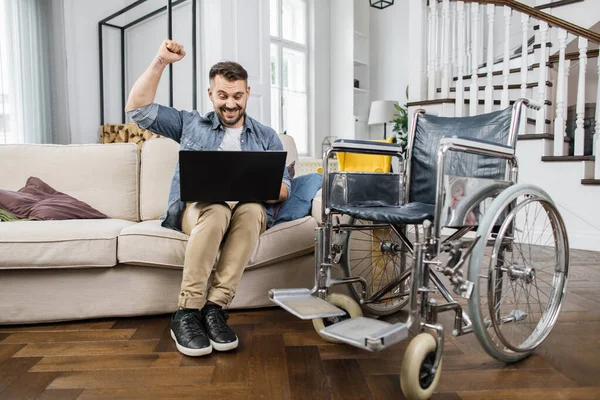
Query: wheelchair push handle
x=529 y=103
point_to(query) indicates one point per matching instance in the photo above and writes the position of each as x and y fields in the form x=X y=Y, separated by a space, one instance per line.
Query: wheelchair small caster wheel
x=416 y=379
x=344 y=302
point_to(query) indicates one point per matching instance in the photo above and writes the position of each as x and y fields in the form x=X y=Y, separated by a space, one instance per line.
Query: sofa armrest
x=315 y=210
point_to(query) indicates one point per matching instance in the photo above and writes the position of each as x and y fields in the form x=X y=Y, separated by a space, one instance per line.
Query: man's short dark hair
x=230 y=70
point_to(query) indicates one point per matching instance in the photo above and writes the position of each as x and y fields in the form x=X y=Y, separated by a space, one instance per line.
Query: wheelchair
x=402 y=240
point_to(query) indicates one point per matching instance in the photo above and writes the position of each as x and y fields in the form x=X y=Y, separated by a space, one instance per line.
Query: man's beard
x=230 y=122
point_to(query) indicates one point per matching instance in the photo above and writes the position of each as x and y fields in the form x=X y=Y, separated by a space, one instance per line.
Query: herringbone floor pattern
x=282 y=357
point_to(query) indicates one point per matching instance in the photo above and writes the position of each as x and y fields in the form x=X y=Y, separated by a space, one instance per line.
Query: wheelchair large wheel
x=521 y=277
x=416 y=380
x=375 y=252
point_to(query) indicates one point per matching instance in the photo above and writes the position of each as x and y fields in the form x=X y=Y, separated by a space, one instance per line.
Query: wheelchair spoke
x=525 y=276
x=379 y=255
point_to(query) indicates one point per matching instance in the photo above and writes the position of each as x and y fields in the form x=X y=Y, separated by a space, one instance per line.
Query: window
x=5 y=135
x=289 y=72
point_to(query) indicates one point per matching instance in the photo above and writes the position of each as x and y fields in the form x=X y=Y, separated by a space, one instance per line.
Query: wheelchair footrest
x=303 y=304
x=367 y=333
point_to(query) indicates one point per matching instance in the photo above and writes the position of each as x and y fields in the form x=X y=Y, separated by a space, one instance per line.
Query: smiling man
x=200 y=323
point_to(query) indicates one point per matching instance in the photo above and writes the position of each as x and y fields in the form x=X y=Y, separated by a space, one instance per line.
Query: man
x=199 y=325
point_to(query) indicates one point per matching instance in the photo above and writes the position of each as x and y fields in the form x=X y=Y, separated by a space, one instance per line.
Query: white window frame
x=282 y=43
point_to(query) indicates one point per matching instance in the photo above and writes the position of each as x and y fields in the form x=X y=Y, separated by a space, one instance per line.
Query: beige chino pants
x=208 y=224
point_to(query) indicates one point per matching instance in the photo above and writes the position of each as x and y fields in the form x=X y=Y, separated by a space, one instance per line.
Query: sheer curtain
x=33 y=76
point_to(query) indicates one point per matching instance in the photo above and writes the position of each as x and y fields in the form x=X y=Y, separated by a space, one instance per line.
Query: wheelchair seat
x=409 y=213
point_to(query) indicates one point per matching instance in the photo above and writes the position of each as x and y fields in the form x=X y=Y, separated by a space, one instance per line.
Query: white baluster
x=540 y=124
x=489 y=87
x=437 y=57
x=454 y=39
x=460 y=59
x=445 y=49
x=567 y=73
x=579 y=131
x=468 y=35
x=430 y=54
x=524 y=66
x=524 y=53
x=561 y=96
x=506 y=63
x=474 y=89
x=596 y=148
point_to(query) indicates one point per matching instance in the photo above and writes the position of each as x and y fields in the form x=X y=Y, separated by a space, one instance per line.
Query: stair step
x=594 y=53
x=511 y=71
x=540 y=136
x=303 y=304
x=590 y=181
x=366 y=333
x=467 y=101
x=499 y=87
x=567 y=158
x=430 y=102
x=532 y=121
x=539 y=46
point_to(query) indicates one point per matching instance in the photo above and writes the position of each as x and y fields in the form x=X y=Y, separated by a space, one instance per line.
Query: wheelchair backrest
x=429 y=130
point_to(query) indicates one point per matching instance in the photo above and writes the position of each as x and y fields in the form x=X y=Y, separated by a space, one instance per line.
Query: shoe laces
x=217 y=320
x=192 y=326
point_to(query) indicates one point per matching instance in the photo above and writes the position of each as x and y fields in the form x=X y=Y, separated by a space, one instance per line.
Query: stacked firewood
x=125 y=133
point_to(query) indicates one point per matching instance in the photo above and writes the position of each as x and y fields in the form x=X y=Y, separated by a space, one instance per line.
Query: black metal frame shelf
x=106 y=23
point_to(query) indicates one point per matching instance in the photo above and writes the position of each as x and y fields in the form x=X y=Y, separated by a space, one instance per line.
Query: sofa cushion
x=289 y=145
x=105 y=176
x=149 y=244
x=286 y=240
x=60 y=244
x=159 y=158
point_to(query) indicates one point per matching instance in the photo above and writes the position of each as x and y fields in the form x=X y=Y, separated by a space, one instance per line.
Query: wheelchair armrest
x=476 y=146
x=366 y=147
x=465 y=145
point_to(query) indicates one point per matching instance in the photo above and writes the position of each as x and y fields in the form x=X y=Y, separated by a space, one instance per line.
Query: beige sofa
x=126 y=265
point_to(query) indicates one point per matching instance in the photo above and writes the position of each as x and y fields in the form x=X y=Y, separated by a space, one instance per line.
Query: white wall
x=81 y=37
x=341 y=73
x=227 y=29
x=319 y=74
x=389 y=57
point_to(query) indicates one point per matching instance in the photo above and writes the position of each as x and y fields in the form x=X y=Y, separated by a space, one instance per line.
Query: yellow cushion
x=352 y=162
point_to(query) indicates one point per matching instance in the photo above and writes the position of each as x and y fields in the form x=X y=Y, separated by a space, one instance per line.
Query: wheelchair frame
x=423 y=311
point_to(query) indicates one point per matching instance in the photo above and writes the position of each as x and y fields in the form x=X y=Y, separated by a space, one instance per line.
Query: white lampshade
x=382 y=111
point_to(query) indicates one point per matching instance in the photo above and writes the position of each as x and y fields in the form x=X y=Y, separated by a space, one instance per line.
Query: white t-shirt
x=231 y=140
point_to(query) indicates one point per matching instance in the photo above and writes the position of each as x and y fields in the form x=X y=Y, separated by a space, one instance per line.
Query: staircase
x=473 y=57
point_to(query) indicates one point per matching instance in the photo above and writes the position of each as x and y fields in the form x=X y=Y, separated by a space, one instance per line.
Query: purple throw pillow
x=39 y=201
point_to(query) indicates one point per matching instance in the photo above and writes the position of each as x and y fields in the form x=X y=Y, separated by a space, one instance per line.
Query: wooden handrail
x=542 y=16
x=560 y=3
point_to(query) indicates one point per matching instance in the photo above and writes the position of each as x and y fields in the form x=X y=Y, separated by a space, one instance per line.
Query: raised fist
x=170 y=51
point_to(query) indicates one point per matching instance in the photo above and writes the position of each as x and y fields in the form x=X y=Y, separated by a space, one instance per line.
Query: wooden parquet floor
x=282 y=357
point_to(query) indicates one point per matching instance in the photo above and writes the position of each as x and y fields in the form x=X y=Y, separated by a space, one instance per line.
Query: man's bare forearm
x=283 y=195
x=144 y=90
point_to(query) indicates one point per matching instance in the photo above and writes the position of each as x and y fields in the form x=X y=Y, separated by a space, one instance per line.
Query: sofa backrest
x=159 y=158
x=104 y=176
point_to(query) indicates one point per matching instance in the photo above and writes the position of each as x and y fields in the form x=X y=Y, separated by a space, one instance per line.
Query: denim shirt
x=196 y=132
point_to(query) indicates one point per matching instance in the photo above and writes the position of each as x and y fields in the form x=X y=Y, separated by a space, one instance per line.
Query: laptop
x=215 y=176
